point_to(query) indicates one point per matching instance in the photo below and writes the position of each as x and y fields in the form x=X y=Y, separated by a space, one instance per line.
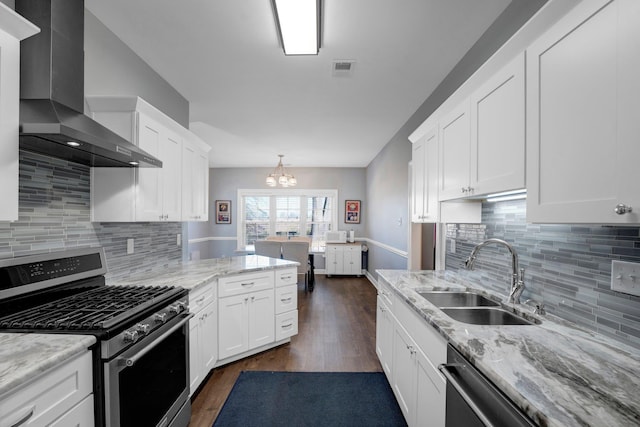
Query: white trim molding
x=399 y=252
x=211 y=238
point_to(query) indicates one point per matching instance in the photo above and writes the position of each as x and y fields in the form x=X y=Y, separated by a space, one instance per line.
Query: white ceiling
x=250 y=102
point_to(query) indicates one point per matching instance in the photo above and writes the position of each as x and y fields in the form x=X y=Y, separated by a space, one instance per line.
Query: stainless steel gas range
x=141 y=359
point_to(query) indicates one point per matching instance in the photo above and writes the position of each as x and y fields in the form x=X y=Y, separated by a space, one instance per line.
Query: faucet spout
x=517 y=274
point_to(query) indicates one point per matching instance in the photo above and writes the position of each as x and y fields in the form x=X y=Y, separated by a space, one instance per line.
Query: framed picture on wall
x=352 y=211
x=223 y=211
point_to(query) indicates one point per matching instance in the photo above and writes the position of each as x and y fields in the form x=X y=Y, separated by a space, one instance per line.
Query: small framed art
x=223 y=211
x=352 y=211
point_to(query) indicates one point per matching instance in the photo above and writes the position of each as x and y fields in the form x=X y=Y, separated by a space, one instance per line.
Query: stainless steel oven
x=141 y=359
x=148 y=384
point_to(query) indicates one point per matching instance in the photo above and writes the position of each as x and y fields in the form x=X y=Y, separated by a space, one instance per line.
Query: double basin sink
x=473 y=308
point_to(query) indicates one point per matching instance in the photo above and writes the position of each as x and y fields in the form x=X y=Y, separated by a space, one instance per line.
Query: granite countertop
x=557 y=372
x=25 y=356
x=194 y=274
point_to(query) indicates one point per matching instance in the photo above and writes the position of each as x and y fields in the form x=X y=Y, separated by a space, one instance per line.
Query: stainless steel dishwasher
x=473 y=400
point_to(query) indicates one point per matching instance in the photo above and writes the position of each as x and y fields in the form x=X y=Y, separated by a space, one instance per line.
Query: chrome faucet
x=517 y=274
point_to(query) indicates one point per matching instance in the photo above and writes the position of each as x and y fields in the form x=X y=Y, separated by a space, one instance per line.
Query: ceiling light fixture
x=280 y=176
x=298 y=23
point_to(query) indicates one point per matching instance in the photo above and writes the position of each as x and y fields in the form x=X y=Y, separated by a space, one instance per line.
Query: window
x=286 y=213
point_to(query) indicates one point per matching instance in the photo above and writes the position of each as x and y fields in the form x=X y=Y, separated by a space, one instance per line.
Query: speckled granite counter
x=557 y=372
x=25 y=356
x=193 y=274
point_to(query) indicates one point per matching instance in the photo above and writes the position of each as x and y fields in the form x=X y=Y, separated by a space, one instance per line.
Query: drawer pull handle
x=285 y=299
x=24 y=417
x=248 y=284
x=286 y=277
x=199 y=300
x=288 y=325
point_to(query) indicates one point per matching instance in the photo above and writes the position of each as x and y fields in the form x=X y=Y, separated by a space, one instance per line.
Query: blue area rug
x=324 y=399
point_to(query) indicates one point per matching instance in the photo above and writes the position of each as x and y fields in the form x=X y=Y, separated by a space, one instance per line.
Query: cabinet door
x=384 y=336
x=425 y=178
x=171 y=177
x=195 y=364
x=195 y=184
x=209 y=337
x=353 y=260
x=261 y=318
x=331 y=253
x=233 y=335
x=418 y=171
x=498 y=131
x=454 y=141
x=430 y=389
x=149 y=180
x=404 y=372
x=582 y=116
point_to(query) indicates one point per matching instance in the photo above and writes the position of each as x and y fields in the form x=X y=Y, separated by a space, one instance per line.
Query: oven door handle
x=444 y=368
x=130 y=361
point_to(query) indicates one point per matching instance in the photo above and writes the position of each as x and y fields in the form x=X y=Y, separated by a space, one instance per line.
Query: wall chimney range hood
x=52 y=92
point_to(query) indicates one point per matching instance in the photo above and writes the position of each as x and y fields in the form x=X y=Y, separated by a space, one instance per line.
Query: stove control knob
x=131 y=336
x=160 y=317
x=143 y=328
x=177 y=308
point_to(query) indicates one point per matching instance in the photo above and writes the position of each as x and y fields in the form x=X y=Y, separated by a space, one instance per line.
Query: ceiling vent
x=342 y=68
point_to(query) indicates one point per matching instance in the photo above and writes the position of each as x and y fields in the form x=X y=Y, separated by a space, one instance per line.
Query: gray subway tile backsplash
x=568 y=267
x=54 y=215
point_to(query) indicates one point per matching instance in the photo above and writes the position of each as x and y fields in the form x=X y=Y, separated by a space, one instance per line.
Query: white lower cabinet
x=203 y=334
x=410 y=351
x=344 y=259
x=62 y=396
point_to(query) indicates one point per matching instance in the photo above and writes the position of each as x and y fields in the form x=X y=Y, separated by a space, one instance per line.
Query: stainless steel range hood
x=52 y=92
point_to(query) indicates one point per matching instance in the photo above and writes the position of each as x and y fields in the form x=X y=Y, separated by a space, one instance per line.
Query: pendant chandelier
x=280 y=176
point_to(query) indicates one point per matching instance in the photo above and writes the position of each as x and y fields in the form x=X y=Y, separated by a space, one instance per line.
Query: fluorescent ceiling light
x=298 y=23
x=507 y=195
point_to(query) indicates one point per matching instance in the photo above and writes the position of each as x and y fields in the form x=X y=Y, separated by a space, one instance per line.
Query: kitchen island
x=558 y=373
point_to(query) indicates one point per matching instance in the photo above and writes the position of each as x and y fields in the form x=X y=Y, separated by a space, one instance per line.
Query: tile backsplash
x=568 y=267
x=54 y=214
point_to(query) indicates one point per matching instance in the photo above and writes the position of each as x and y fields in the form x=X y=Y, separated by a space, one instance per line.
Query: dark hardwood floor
x=336 y=332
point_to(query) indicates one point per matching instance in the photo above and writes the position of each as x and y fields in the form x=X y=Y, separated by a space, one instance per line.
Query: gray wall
x=112 y=68
x=387 y=175
x=568 y=267
x=225 y=182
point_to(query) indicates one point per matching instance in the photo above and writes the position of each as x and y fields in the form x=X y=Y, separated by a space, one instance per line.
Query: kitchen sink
x=486 y=316
x=457 y=299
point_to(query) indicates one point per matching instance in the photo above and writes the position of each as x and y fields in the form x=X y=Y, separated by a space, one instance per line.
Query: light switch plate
x=129 y=246
x=179 y=239
x=625 y=277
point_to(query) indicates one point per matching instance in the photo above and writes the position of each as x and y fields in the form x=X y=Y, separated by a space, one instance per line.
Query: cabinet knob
x=464 y=189
x=622 y=209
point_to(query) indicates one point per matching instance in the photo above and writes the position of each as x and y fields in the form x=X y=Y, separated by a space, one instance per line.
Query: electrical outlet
x=179 y=239
x=625 y=277
x=129 y=246
x=452 y=245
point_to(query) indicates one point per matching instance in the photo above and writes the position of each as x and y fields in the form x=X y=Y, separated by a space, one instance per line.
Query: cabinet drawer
x=49 y=396
x=243 y=283
x=428 y=339
x=80 y=416
x=286 y=298
x=386 y=293
x=201 y=297
x=286 y=277
x=286 y=325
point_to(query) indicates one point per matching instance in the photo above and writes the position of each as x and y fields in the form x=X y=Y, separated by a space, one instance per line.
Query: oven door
x=148 y=384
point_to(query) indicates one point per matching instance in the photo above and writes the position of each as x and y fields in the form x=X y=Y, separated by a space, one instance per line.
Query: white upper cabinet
x=583 y=116
x=455 y=147
x=149 y=194
x=424 y=201
x=482 y=140
x=13 y=28
x=498 y=131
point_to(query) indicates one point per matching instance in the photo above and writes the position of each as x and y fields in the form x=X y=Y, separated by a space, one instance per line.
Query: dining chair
x=301 y=239
x=270 y=248
x=277 y=238
x=298 y=251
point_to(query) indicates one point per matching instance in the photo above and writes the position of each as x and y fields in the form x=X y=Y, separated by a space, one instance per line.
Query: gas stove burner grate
x=94 y=309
